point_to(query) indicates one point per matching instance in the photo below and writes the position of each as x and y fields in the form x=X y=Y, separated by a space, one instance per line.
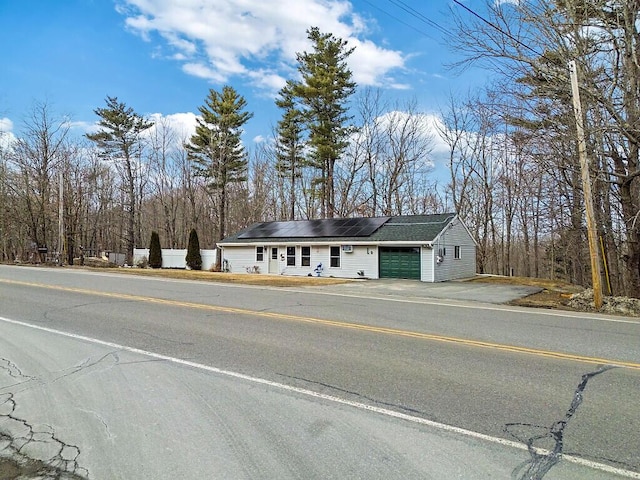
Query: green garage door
x=400 y=262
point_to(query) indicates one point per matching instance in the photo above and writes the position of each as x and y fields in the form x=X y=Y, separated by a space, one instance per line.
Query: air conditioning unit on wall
x=347 y=248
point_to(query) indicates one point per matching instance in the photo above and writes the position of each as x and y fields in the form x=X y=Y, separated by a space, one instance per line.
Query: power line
x=421 y=32
x=493 y=25
x=419 y=15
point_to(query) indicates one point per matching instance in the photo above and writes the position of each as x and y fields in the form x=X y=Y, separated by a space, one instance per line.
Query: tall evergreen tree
x=216 y=147
x=324 y=90
x=119 y=140
x=194 y=258
x=155 y=251
x=290 y=144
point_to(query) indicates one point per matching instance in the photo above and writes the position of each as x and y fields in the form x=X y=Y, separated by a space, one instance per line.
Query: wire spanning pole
x=592 y=233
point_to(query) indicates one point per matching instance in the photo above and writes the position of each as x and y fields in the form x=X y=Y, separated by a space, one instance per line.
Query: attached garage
x=428 y=248
x=400 y=262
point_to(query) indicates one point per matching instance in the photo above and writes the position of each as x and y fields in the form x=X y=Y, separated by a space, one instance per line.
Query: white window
x=456 y=252
x=259 y=254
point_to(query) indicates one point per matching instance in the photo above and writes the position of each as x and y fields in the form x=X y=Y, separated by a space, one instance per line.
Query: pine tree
x=193 y=258
x=323 y=93
x=216 y=147
x=290 y=144
x=155 y=251
x=119 y=140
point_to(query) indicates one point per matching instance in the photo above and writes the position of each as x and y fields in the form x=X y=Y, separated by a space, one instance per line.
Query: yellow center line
x=335 y=323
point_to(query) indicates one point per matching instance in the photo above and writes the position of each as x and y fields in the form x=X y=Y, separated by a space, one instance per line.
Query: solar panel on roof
x=331 y=227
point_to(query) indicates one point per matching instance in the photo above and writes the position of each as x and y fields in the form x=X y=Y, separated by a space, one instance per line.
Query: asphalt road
x=178 y=379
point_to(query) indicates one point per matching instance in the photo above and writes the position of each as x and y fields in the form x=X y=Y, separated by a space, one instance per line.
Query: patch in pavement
x=543 y=459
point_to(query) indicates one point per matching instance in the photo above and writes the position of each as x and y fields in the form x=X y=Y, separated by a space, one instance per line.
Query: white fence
x=175 y=258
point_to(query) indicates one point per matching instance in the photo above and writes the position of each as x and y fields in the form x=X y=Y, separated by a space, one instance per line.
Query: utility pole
x=586 y=188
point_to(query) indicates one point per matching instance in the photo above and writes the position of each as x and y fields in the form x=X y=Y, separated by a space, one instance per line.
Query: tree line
x=341 y=151
x=109 y=190
x=528 y=45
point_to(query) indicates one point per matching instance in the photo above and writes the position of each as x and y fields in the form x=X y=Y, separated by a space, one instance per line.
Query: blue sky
x=162 y=56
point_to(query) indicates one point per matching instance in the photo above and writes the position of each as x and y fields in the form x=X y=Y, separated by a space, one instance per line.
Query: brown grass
x=554 y=294
x=243 y=278
x=546 y=283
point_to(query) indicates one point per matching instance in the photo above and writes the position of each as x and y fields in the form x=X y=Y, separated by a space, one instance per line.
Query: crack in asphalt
x=356 y=394
x=87 y=364
x=14 y=372
x=30 y=452
x=158 y=337
x=50 y=314
x=102 y=420
x=18 y=437
x=542 y=461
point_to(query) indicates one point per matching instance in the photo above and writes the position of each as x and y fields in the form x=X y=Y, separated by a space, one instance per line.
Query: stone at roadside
x=613 y=305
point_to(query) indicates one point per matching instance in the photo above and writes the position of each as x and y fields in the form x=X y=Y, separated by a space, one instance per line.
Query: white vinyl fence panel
x=175 y=258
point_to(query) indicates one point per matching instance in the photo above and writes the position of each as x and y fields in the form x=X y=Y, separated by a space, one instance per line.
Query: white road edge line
x=329 y=398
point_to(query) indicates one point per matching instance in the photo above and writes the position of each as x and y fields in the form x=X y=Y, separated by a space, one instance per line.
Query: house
x=430 y=248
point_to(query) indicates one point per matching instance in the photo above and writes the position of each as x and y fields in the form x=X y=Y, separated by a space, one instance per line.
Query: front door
x=273 y=260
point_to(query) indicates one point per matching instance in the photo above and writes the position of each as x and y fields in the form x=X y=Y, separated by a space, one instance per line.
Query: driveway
x=452 y=290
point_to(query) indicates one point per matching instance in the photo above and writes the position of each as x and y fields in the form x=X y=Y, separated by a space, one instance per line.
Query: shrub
x=193 y=258
x=155 y=251
x=143 y=262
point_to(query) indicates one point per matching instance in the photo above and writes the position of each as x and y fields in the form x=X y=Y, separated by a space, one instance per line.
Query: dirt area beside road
x=556 y=294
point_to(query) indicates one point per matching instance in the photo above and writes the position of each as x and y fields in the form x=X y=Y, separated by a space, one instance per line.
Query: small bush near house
x=193 y=258
x=155 y=251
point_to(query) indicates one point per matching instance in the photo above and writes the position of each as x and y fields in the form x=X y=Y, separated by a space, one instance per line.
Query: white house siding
x=363 y=259
x=242 y=259
x=451 y=268
x=426 y=264
x=317 y=256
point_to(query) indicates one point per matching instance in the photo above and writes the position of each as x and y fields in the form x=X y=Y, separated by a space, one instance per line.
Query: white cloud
x=182 y=124
x=202 y=71
x=371 y=64
x=84 y=127
x=6 y=125
x=427 y=127
x=7 y=137
x=268 y=80
x=436 y=125
x=219 y=39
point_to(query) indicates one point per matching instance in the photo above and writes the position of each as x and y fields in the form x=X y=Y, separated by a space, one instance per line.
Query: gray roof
x=405 y=228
